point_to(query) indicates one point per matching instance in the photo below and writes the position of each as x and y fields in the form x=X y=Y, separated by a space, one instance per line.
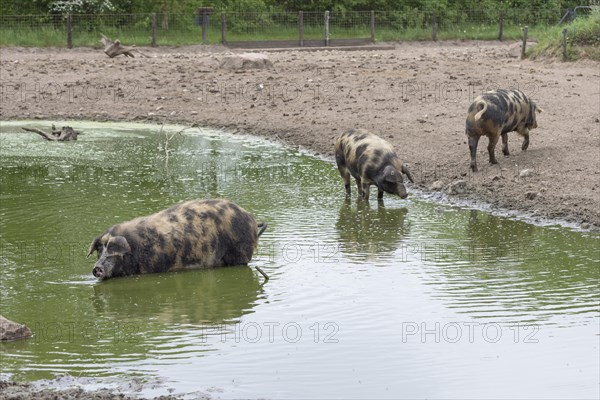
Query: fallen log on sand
x=113 y=49
x=65 y=134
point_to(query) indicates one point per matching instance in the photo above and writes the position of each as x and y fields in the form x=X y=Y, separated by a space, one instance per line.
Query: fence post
x=501 y=22
x=69 y=31
x=373 y=26
x=204 y=15
x=524 y=45
x=204 y=23
x=301 y=28
x=326 y=28
x=434 y=24
x=223 y=29
x=153 y=29
x=564 y=44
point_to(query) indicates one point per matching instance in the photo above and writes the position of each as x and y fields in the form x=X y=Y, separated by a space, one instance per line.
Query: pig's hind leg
x=505 y=144
x=343 y=169
x=492 y=147
x=345 y=174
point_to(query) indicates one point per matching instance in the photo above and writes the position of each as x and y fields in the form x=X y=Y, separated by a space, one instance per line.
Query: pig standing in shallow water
x=371 y=160
x=194 y=234
x=496 y=113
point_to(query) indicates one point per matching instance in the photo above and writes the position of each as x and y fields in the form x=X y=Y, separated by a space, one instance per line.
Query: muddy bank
x=415 y=95
x=25 y=391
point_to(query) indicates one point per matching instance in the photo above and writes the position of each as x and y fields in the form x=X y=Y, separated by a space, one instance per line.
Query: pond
x=407 y=298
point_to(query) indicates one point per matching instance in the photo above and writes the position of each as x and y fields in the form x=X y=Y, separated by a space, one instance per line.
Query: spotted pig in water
x=194 y=234
x=371 y=160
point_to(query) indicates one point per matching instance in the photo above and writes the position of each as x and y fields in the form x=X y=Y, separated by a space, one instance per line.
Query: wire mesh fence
x=87 y=28
x=313 y=25
x=350 y=24
x=293 y=27
x=261 y=25
x=180 y=29
x=31 y=30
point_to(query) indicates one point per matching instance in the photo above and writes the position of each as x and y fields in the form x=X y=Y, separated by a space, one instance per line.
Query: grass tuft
x=583 y=40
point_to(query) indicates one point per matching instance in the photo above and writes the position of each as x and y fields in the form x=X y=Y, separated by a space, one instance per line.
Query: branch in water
x=262 y=273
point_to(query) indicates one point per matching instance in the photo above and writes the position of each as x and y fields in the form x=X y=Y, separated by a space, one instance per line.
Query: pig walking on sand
x=496 y=113
x=194 y=234
x=371 y=160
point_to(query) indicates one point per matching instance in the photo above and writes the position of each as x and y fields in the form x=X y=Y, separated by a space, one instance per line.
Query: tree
x=81 y=7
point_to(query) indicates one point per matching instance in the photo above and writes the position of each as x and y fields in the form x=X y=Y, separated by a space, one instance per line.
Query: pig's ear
x=391 y=174
x=93 y=247
x=407 y=173
x=117 y=246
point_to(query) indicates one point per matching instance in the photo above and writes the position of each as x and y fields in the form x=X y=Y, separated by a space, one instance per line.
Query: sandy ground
x=413 y=94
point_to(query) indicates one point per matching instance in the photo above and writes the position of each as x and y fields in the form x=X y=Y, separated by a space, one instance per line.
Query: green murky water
x=404 y=299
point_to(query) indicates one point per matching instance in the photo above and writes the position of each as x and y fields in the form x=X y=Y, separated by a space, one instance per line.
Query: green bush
x=586 y=31
x=583 y=39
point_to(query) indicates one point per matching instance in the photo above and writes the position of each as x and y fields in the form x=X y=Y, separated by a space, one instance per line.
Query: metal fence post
x=204 y=16
x=69 y=31
x=153 y=29
x=301 y=28
x=326 y=28
x=564 y=44
x=501 y=23
x=524 y=46
x=204 y=26
x=434 y=25
x=373 y=26
x=223 y=29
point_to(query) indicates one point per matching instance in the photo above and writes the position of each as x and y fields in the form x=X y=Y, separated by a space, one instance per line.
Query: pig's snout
x=98 y=272
x=402 y=192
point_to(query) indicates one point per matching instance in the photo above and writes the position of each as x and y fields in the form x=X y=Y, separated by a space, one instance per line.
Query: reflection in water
x=497 y=238
x=370 y=232
x=211 y=296
x=513 y=271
